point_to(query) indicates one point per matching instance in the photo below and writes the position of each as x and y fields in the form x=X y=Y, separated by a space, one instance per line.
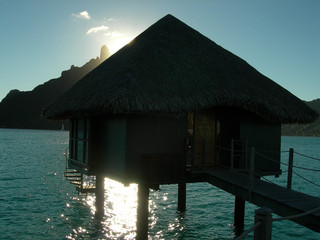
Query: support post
x=232 y=154
x=251 y=172
x=99 y=197
x=239 y=212
x=182 y=191
x=142 y=212
x=290 y=165
x=264 y=231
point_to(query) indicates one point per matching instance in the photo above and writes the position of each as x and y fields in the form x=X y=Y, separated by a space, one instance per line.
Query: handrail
x=266 y=151
x=66 y=155
x=299 y=167
x=296 y=216
x=307 y=169
x=229 y=149
x=265 y=219
x=303 y=155
x=246 y=233
x=306 y=179
x=66 y=152
x=270 y=159
x=286 y=164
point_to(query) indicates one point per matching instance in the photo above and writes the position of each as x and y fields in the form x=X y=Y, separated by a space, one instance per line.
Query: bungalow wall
x=108 y=145
x=214 y=131
x=154 y=148
x=266 y=139
x=134 y=147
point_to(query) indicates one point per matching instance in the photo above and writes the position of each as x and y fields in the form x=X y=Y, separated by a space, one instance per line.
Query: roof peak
x=167 y=19
x=168 y=16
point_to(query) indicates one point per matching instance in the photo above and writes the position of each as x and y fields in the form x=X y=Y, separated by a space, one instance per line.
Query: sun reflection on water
x=120 y=209
x=120 y=214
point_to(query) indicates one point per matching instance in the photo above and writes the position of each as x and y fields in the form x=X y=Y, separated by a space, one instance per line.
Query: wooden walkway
x=282 y=201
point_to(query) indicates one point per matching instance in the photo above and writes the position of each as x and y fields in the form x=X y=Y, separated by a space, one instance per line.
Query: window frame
x=79 y=140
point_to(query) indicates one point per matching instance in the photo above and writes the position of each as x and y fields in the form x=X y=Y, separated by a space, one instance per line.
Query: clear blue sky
x=41 y=38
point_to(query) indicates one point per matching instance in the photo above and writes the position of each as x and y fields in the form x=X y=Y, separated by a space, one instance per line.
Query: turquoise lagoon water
x=36 y=202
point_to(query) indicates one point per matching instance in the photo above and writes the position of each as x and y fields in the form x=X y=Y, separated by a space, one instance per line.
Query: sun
x=118 y=42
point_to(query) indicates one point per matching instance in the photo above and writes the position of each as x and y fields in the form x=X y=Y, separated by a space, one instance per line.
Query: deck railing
x=262 y=227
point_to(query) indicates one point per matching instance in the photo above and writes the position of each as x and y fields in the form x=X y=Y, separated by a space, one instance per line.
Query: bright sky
x=41 y=38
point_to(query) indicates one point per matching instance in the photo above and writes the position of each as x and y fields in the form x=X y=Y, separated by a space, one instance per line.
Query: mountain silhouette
x=22 y=109
x=312 y=129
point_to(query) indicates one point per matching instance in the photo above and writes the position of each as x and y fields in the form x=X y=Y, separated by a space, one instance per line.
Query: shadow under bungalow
x=169 y=104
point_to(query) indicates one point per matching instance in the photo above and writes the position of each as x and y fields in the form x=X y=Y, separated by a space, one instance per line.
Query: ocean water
x=36 y=202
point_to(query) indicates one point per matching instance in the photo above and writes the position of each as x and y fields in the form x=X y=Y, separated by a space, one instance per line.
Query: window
x=79 y=144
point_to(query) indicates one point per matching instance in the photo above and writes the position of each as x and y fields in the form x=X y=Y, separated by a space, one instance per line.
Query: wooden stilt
x=142 y=212
x=99 y=197
x=182 y=189
x=239 y=211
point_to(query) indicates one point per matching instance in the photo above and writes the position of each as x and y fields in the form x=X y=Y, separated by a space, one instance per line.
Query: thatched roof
x=171 y=68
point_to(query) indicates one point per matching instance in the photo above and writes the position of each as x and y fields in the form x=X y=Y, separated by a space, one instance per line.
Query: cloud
x=108 y=19
x=82 y=15
x=97 y=29
x=113 y=34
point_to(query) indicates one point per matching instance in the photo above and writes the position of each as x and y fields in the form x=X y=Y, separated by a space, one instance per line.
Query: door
x=204 y=139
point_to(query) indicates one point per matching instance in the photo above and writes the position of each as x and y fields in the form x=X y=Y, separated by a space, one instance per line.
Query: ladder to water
x=83 y=183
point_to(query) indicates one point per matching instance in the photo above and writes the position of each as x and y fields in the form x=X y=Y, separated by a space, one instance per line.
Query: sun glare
x=120 y=209
x=118 y=42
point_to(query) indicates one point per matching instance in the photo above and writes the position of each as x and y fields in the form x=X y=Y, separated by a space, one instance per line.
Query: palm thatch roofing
x=172 y=68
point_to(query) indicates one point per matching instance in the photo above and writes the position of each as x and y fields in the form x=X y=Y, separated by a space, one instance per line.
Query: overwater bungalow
x=170 y=102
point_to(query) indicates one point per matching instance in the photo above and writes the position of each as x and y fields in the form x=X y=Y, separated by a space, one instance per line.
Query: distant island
x=312 y=129
x=23 y=109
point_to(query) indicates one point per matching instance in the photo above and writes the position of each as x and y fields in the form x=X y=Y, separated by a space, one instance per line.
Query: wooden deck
x=282 y=201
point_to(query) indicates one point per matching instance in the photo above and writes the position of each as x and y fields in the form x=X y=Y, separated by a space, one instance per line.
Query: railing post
x=264 y=231
x=251 y=172
x=232 y=154
x=290 y=165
